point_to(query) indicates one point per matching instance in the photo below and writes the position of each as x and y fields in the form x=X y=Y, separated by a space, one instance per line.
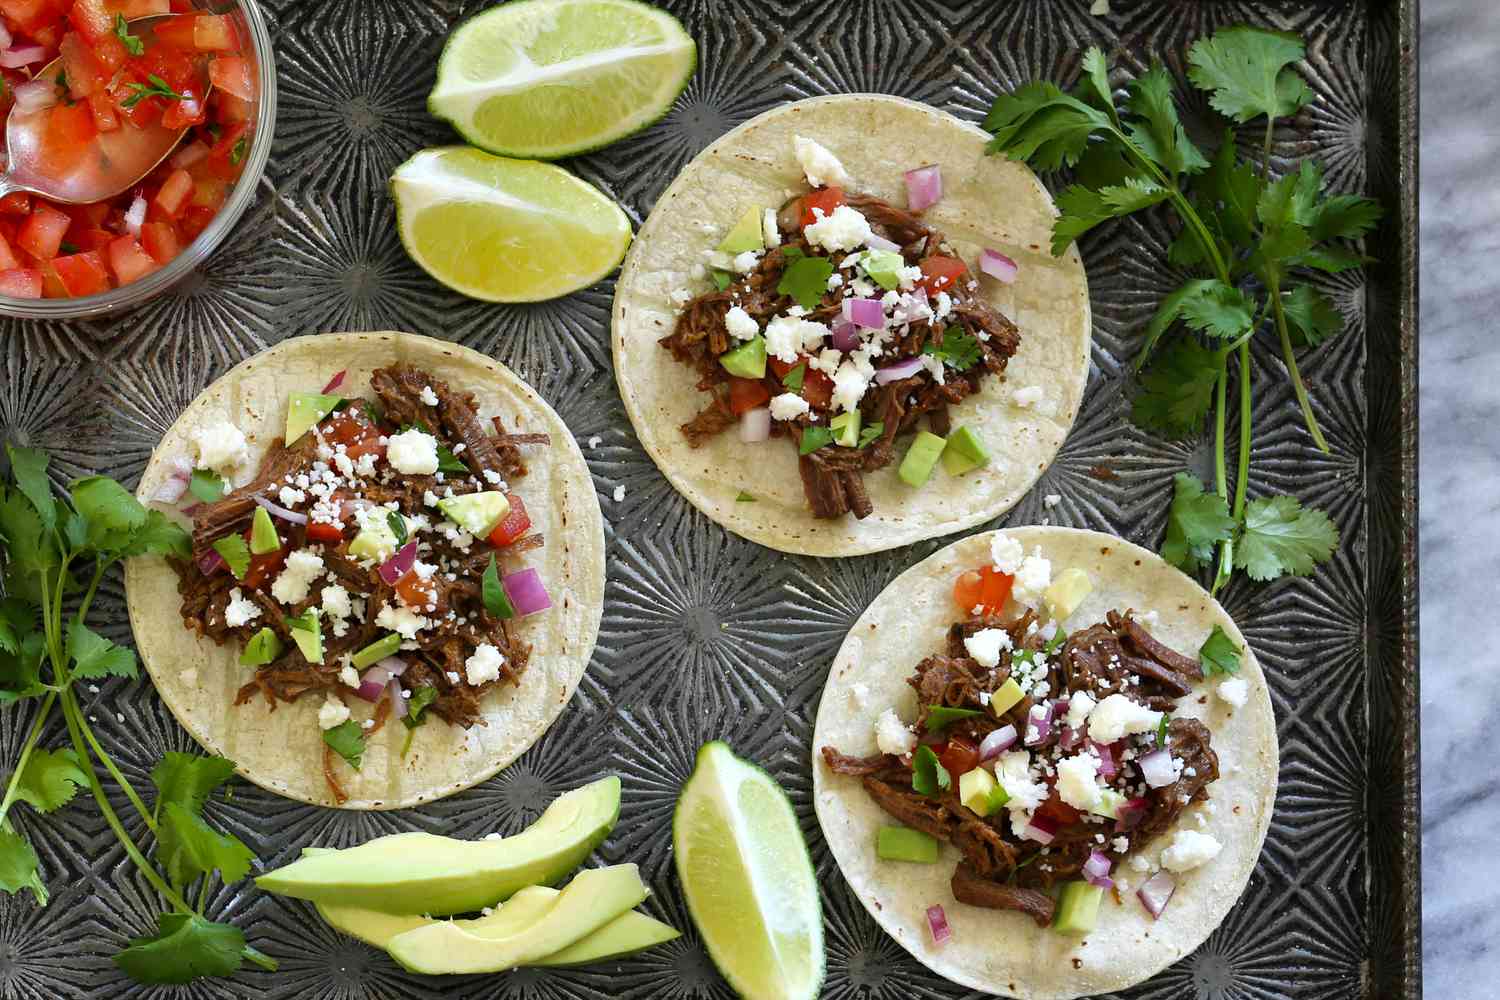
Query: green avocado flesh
x=964 y=453
x=883 y=267
x=746 y=234
x=305 y=409
x=386 y=645
x=375 y=541
x=1077 y=908
x=476 y=513
x=748 y=360
x=426 y=873
x=501 y=941
x=263 y=647
x=916 y=467
x=845 y=429
x=309 y=640
x=900 y=843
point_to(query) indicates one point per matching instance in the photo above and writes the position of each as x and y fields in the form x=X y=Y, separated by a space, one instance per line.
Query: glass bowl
x=196 y=252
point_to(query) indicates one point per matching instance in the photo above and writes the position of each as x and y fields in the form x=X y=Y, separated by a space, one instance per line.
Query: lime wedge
x=552 y=78
x=747 y=878
x=505 y=230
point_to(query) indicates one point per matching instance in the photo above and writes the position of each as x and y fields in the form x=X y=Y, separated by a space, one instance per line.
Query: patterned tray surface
x=706 y=636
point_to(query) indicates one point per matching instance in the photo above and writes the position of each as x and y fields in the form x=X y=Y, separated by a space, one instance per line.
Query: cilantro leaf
x=29 y=549
x=1196 y=522
x=496 y=600
x=1093 y=86
x=159 y=535
x=154 y=86
x=1343 y=217
x=813 y=438
x=806 y=280
x=1232 y=190
x=348 y=741
x=1247 y=72
x=1081 y=209
x=721 y=279
x=19 y=865
x=95 y=656
x=1280 y=537
x=959 y=350
x=207 y=485
x=928 y=776
x=132 y=44
x=236 y=553
x=793 y=379
x=1330 y=259
x=1158 y=131
x=397 y=525
x=868 y=435
x=16 y=620
x=21 y=671
x=1310 y=316
x=185 y=947
x=188 y=780
x=745 y=497
x=1219 y=654
x=940 y=717
x=1205 y=304
x=50 y=779
x=449 y=462
x=1041 y=125
x=1161 y=729
x=1177 y=391
x=417 y=704
x=28 y=466
x=189 y=847
x=1058 y=638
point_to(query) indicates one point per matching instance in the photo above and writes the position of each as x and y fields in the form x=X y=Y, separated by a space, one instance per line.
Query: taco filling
x=1049 y=759
x=366 y=558
x=836 y=323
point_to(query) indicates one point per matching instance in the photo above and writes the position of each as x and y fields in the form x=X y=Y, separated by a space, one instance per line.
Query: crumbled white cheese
x=1234 y=691
x=412 y=453
x=484 y=666
x=1006 y=553
x=844 y=230
x=789 y=336
x=240 y=610
x=892 y=735
x=1139 y=863
x=220 y=446
x=349 y=676
x=1189 y=849
x=681 y=297
x=770 y=232
x=332 y=713
x=740 y=324
x=985 y=645
x=1080 y=704
x=1027 y=396
x=452 y=676
x=401 y=619
x=1076 y=784
x=1013 y=772
x=788 y=406
x=1117 y=717
x=594 y=441
x=1033 y=577
x=292 y=584
x=746 y=262
x=619 y=494
x=819 y=165
x=1120 y=844
x=849 y=386
x=291 y=496
x=907 y=277
x=1051 y=500
x=428 y=396
x=336 y=601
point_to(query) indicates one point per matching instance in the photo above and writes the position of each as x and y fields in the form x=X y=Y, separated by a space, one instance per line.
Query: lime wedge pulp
x=747 y=878
x=552 y=78
x=505 y=230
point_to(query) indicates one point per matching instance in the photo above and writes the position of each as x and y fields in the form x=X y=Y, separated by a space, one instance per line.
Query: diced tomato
x=111 y=53
x=84 y=72
x=160 y=240
x=70 y=132
x=264 y=566
x=133 y=9
x=1056 y=809
x=825 y=200
x=324 y=531
x=174 y=193
x=129 y=261
x=181 y=114
x=176 y=31
x=985 y=588
x=43 y=233
x=195 y=220
x=49 y=36
x=83 y=273
x=92 y=239
x=106 y=119
x=215 y=33
x=173 y=65
x=781 y=367
x=414 y=591
x=18 y=203
x=184 y=6
x=8 y=260
x=21 y=283
x=745 y=394
x=52 y=286
x=939 y=273
x=209 y=193
x=513 y=525
x=90 y=216
x=817 y=389
x=28 y=15
x=958 y=756
x=358 y=437
x=233 y=110
x=92 y=20
x=233 y=74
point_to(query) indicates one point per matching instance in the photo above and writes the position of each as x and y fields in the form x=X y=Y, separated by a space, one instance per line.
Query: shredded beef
x=973 y=888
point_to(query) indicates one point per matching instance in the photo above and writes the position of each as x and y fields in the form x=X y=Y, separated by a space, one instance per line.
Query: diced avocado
x=1068 y=590
x=235 y=553
x=263 y=537
x=1006 y=697
x=476 y=513
x=426 y=873
x=964 y=453
x=845 y=429
x=305 y=409
x=375 y=540
x=1109 y=803
x=900 y=843
x=916 y=467
x=1077 y=908
x=883 y=267
x=748 y=360
x=307 y=633
x=595 y=897
x=386 y=645
x=263 y=647
x=977 y=789
x=746 y=234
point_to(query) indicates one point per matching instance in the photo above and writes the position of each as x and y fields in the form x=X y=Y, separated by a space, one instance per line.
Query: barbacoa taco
x=1046 y=761
x=397 y=572
x=840 y=330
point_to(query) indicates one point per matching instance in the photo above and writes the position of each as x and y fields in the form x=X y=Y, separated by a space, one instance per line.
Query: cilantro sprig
x=56 y=545
x=1249 y=239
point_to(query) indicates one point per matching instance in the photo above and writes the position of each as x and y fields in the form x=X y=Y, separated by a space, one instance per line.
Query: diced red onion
x=998 y=266
x=868 y=313
x=898 y=371
x=189 y=154
x=394 y=665
x=1041 y=829
x=1129 y=816
x=370 y=691
x=881 y=243
x=527 y=593
x=997 y=742
x=937 y=923
x=210 y=562
x=5 y=38
x=924 y=187
x=1108 y=766
x=399 y=564
x=24 y=55
x=1156 y=768
x=1069 y=738
x=335 y=382
x=1156 y=892
x=1038 y=727
x=398 y=700
x=135 y=216
x=1096 y=870
x=845 y=336
x=290 y=516
x=34 y=95
x=755 y=425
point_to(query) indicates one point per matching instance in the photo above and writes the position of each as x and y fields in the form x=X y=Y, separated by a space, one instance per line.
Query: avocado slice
x=386 y=645
x=628 y=933
x=263 y=537
x=747 y=234
x=305 y=409
x=595 y=897
x=476 y=513
x=263 y=647
x=426 y=873
x=883 y=267
x=965 y=452
x=845 y=429
x=748 y=360
x=900 y=843
x=978 y=790
x=916 y=467
x=307 y=633
x=1077 y=908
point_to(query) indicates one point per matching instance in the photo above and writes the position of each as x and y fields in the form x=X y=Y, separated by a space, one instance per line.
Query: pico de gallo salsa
x=109 y=76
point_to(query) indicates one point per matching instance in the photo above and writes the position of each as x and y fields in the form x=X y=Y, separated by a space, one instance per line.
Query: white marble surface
x=1459 y=373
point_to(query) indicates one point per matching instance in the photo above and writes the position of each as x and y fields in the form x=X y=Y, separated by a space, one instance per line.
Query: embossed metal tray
x=706 y=636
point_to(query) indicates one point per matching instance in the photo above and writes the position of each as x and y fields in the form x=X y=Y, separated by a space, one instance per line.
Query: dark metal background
x=706 y=636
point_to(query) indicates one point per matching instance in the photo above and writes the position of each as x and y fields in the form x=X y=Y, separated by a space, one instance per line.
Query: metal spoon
x=114 y=162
